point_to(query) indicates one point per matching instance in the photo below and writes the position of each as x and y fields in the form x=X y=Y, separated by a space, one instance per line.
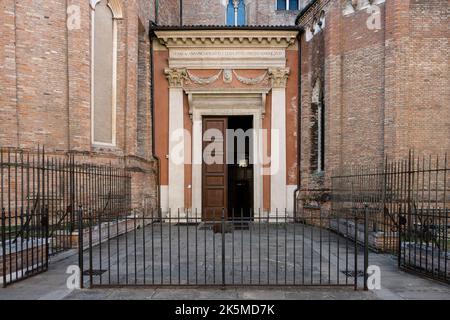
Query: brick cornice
x=311 y=13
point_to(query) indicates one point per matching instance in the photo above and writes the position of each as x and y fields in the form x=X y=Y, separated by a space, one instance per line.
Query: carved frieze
x=203 y=80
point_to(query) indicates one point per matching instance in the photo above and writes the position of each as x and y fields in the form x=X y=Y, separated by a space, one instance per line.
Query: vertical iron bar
x=214 y=247
x=3 y=230
x=294 y=248
x=356 y=251
x=223 y=247
x=232 y=246
x=366 y=245
x=91 y=267
x=242 y=245
x=144 y=263
x=196 y=246
x=178 y=238
x=187 y=244
x=250 y=225
x=276 y=246
x=268 y=247
x=170 y=245
x=135 y=217
x=446 y=214
x=259 y=245
x=80 y=245
x=162 y=248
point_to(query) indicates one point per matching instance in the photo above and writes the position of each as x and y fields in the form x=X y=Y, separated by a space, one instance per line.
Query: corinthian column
x=278 y=190
x=176 y=78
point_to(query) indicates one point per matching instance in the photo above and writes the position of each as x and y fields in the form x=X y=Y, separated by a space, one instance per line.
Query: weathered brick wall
x=8 y=92
x=387 y=90
x=169 y=12
x=49 y=101
x=420 y=97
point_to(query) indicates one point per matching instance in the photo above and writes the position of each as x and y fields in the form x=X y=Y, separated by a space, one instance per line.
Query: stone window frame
x=117 y=14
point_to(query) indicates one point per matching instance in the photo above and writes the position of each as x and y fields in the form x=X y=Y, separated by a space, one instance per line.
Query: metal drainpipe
x=156 y=11
x=152 y=110
x=299 y=121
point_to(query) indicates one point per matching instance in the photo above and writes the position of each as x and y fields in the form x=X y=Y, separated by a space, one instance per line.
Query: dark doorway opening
x=240 y=167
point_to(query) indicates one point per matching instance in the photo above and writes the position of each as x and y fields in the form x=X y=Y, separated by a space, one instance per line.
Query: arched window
x=104 y=70
x=236 y=13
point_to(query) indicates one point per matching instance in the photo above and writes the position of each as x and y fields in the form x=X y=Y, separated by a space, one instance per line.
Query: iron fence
x=409 y=207
x=41 y=196
x=181 y=249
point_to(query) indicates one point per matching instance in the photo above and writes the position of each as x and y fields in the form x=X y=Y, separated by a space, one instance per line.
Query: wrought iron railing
x=409 y=208
x=40 y=197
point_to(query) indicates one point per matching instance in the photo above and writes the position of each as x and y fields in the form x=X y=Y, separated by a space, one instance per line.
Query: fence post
x=356 y=250
x=72 y=191
x=45 y=224
x=399 y=231
x=4 y=245
x=80 y=245
x=366 y=245
x=90 y=248
x=223 y=247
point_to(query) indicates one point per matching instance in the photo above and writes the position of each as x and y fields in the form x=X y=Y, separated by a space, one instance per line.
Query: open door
x=214 y=168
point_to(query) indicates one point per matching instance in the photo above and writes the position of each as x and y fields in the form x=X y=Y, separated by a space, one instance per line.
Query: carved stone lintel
x=279 y=77
x=176 y=76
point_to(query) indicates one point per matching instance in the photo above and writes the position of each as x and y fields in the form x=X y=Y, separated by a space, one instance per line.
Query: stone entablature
x=227 y=49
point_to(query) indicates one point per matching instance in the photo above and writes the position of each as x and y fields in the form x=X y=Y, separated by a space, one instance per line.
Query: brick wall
x=258 y=12
x=386 y=90
x=46 y=83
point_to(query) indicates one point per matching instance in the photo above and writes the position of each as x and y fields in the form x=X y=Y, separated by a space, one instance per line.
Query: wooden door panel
x=214 y=170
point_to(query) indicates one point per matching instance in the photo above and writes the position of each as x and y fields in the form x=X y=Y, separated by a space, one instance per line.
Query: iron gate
x=409 y=207
x=151 y=248
x=40 y=199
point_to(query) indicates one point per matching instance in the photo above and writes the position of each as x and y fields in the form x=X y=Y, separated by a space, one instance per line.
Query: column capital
x=176 y=76
x=279 y=77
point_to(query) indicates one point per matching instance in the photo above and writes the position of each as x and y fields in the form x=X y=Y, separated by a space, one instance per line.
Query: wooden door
x=214 y=168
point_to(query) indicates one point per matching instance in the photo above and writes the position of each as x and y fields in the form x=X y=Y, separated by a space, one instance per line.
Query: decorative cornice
x=226 y=38
x=279 y=77
x=176 y=76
